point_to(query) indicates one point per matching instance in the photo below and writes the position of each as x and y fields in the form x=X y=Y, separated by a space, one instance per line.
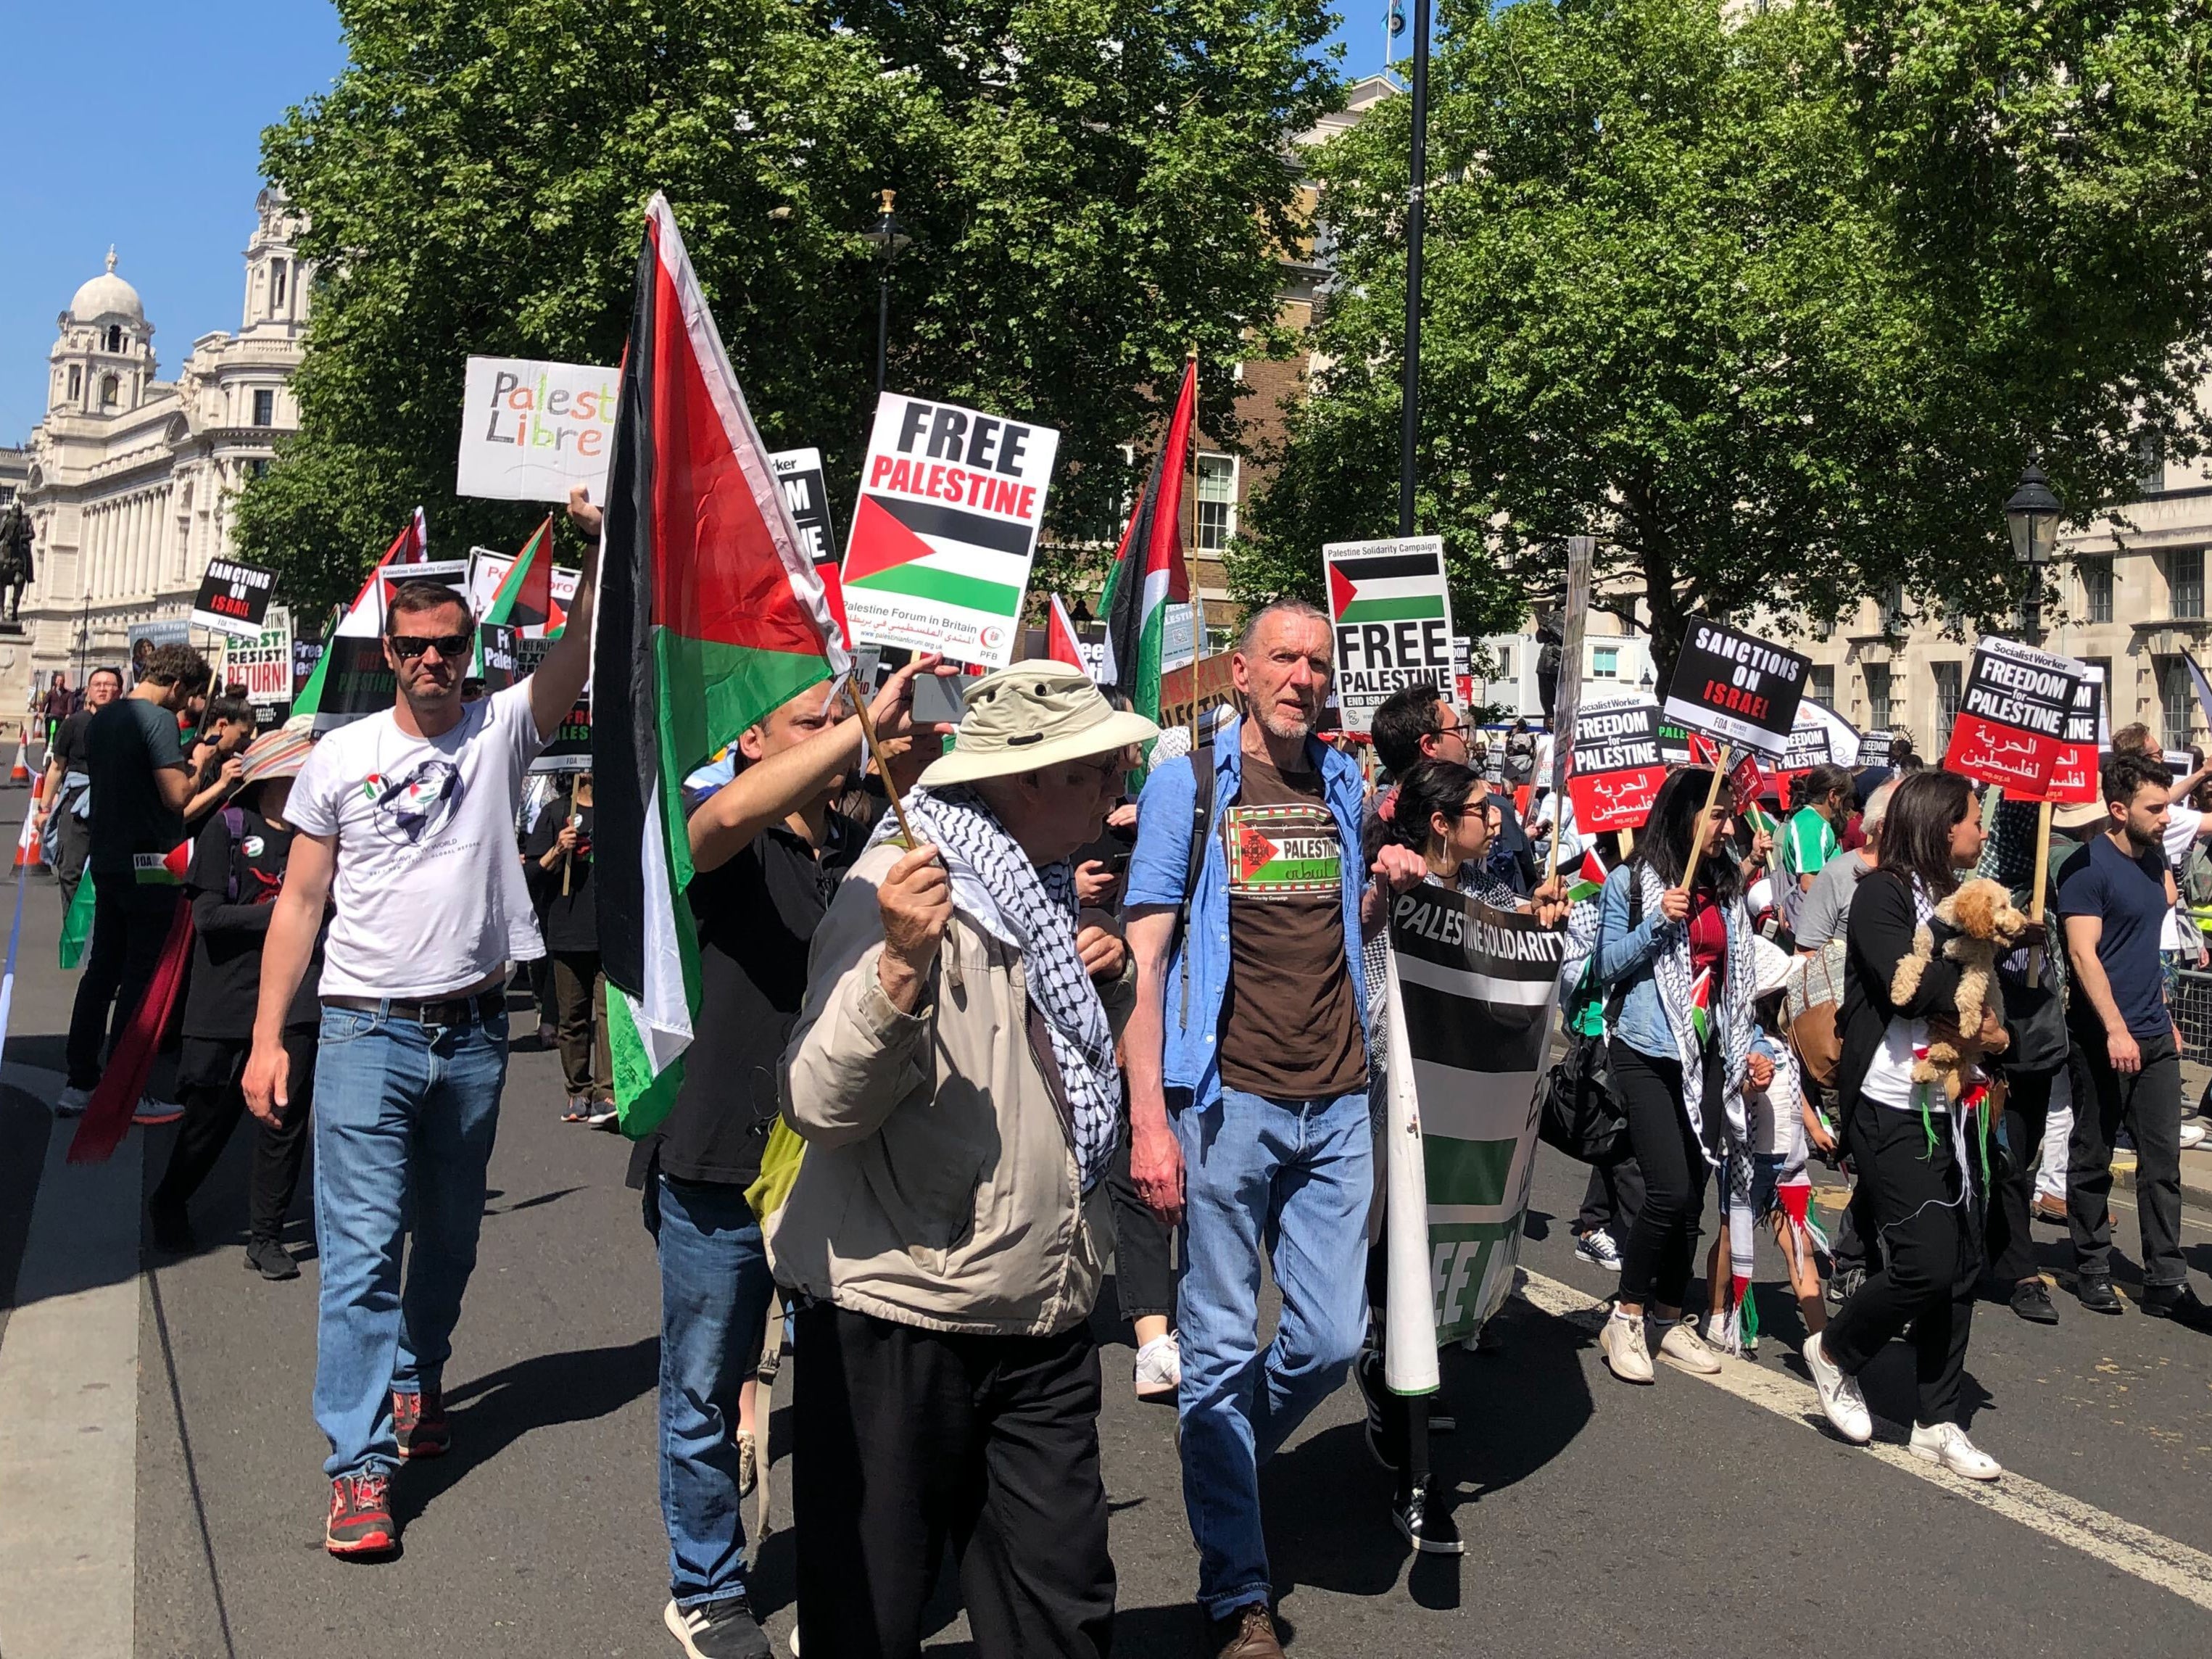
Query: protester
x=945 y=1232
x=1252 y=1015
x=1417 y=723
x=237 y=870
x=404 y=825
x=225 y=729
x=556 y=854
x=1824 y=798
x=57 y=705
x=2115 y=894
x=767 y=852
x=1676 y=1057
x=140 y=788
x=1828 y=899
x=64 y=805
x=1909 y=1144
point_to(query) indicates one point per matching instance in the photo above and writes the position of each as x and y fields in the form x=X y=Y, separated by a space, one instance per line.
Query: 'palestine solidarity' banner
x=1471 y=995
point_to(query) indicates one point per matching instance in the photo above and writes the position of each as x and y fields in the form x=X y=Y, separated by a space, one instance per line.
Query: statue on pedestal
x=16 y=567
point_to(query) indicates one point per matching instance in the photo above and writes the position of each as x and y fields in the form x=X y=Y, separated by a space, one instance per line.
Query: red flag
x=107 y=1114
x=1060 y=644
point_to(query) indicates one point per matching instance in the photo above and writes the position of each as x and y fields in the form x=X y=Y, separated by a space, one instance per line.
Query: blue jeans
x=1297 y=1174
x=405 y=1118
x=714 y=1292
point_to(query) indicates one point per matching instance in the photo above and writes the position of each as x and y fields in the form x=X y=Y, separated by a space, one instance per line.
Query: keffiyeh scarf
x=1033 y=910
x=1730 y=1012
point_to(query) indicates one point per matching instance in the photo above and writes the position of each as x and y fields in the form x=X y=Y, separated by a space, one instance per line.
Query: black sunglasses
x=407 y=647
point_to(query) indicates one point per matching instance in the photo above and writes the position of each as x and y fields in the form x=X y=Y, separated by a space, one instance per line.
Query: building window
x=75 y=383
x=1217 y=502
x=2176 y=701
x=2151 y=450
x=1824 y=684
x=264 y=408
x=2184 y=583
x=1504 y=662
x=1604 y=662
x=114 y=338
x=256 y=466
x=1892 y=609
x=1877 y=684
x=1947 y=702
x=2103 y=665
x=107 y=390
x=2097 y=589
x=276 y=283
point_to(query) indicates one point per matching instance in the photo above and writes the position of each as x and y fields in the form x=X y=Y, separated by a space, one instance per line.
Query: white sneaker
x=71 y=1102
x=1840 y=1395
x=1158 y=1369
x=1685 y=1351
x=1596 y=1246
x=1946 y=1444
x=1625 y=1355
x=152 y=1109
x=2192 y=1134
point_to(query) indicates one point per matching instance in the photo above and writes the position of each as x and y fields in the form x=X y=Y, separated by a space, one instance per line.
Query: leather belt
x=444 y=1011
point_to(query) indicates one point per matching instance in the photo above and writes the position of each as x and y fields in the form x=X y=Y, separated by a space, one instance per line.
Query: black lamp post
x=888 y=237
x=2031 y=515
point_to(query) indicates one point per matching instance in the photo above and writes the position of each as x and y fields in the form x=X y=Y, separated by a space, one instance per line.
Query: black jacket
x=1878 y=936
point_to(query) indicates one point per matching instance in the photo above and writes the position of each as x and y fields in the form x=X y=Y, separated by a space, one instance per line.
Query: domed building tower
x=103 y=355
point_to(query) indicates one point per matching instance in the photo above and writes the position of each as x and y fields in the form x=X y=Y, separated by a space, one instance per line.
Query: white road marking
x=2138 y=1551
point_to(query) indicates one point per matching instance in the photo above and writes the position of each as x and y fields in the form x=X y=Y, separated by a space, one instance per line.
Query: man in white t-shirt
x=407 y=830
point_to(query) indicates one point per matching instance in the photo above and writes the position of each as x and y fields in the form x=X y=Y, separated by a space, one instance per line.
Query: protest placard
x=952 y=501
x=495 y=643
x=1737 y=688
x=2073 y=778
x=1618 y=766
x=234 y=598
x=356 y=683
x=2011 y=716
x=1874 y=749
x=451 y=572
x=569 y=749
x=805 y=493
x=263 y=664
x=1392 y=613
x=141 y=638
x=1808 y=744
x=528 y=429
x=1674 y=744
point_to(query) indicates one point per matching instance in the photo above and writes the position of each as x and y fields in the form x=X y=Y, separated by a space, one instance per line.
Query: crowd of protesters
x=949 y=1068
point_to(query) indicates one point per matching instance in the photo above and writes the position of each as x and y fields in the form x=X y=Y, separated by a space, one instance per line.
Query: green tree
x=1091 y=186
x=1775 y=307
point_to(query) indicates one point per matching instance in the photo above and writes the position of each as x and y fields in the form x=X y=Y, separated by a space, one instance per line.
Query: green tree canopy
x=1777 y=307
x=1091 y=185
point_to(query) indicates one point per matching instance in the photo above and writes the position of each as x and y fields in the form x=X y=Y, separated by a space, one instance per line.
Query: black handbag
x=1578 y=1111
x=2035 y=1020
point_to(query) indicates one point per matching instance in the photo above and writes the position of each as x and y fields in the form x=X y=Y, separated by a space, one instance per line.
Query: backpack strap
x=233 y=819
x=1202 y=826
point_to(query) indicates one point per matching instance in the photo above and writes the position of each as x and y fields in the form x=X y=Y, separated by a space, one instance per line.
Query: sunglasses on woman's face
x=407 y=647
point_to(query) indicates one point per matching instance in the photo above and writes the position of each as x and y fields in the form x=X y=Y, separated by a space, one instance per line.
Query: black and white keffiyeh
x=1731 y=1012
x=1035 y=911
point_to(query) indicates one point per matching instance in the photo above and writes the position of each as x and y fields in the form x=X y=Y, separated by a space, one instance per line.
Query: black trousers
x=905 y=1440
x=1613 y=1199
x=129 y=925
x=2150 y=1103
x=579 y=993
x=2028 y=1109
x=1655 y=1256
x=1143 y=1244
x=213 y=1105
x=1931 y=1256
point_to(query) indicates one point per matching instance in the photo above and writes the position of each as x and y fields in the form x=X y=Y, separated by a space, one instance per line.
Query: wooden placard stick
x=1698 y=835
x=2035 y=893
x=883 y=771
x=567 y=858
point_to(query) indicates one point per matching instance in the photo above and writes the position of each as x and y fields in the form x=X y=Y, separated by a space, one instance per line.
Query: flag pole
x=2042 y=878
x=875 y=754
x=1197 y=605
x=568 y=857
x=1697 y=836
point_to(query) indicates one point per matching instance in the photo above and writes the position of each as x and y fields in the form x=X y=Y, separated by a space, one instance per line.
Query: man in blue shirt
x=1248 y=1066
x=2115 y=894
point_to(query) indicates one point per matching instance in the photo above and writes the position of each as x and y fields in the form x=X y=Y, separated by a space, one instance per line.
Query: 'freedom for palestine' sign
x=1618 y=765
x=1737 y=688
x=2013 y=715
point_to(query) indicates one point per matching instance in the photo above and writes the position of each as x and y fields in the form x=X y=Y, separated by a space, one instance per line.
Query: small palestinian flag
x=1701 y=998
x=524 y=597
x=711 y=614
x=362 y=619
x=1588 y=881
x=1060 y=643
x=1149 y=570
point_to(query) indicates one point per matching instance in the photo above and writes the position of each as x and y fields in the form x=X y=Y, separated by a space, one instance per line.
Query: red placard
x=1617 y=765
x=2013 y=718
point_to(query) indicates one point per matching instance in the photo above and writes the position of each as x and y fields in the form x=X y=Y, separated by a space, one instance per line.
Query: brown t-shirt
x=1290 y=1027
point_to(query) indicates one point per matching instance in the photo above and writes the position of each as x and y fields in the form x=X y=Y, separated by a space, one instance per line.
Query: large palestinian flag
x=710 y=614
x=1150 y=570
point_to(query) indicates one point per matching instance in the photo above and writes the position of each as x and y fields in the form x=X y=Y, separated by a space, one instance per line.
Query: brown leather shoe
x=1251 y=1633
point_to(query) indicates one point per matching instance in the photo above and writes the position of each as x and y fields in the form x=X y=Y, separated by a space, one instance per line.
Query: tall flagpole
x=1197 y=605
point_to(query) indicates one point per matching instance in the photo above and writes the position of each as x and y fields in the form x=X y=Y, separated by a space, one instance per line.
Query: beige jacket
x=939 y=1186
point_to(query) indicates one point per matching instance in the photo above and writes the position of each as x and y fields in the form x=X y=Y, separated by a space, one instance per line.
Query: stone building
x=129 y=479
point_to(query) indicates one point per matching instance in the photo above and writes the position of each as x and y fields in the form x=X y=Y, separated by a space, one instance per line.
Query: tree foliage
x=1091 y=185
x=1776 y=306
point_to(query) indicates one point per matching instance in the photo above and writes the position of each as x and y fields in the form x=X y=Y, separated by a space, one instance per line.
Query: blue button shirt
x=1158 y=868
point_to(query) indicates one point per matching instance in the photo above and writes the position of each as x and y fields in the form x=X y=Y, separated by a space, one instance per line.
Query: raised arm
x=559 y=678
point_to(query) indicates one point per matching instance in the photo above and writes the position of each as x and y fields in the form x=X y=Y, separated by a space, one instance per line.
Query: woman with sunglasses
x=1675 y=963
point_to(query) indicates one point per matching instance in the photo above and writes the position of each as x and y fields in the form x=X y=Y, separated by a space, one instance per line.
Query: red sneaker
x=418 y=1423
x=360 y=1517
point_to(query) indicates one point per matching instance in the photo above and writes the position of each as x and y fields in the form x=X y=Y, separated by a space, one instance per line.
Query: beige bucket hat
x=1032 y=714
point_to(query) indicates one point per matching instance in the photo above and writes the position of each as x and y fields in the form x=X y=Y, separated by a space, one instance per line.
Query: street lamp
x=2032 y=515
x=1081 y=615
x=888 y=237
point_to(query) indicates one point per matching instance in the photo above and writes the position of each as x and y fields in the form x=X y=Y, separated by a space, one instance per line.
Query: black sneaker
x=172 y=1228
x=718 y=1630
x=270 y=1259
x=2032 y=1302
x=2177 y=1302
x=2094 y=1291
x=1846 y=1284
x=419 y=1425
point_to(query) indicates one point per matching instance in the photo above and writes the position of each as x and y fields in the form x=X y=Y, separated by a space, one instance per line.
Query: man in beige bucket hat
x=953 y=1076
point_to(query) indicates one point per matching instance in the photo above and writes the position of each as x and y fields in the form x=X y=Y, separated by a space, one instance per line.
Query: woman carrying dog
x=1681 y=984
x=1910 y=1141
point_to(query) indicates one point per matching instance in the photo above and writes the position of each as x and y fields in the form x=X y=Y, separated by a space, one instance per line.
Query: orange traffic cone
x=21 y=772
x=28 y=851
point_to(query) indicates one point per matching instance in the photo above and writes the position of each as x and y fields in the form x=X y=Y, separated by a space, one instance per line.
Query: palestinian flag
x=710 y=614
x=364 y=618
x=1589 y=880
x=1389 y=587
x=1701 y=1002
x=525 y=598
x=1060 y=644
x=1148 y=569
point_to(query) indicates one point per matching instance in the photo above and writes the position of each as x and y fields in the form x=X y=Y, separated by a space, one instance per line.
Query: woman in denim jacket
x=1680 y=982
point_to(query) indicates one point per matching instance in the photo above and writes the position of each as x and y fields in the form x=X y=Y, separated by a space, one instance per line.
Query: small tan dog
x=1973 y=928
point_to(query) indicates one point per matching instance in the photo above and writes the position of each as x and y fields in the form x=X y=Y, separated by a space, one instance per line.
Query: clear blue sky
x=146 y=133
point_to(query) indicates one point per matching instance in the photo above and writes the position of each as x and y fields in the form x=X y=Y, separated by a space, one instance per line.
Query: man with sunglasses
x=405 y=825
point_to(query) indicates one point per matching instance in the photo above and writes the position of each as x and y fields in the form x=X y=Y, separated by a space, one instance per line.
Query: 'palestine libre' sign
x=2012 y=716
x=1393 y=616
x=1737 y=688
x=529 y=430
x=1618 y=765
x=952 y=501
